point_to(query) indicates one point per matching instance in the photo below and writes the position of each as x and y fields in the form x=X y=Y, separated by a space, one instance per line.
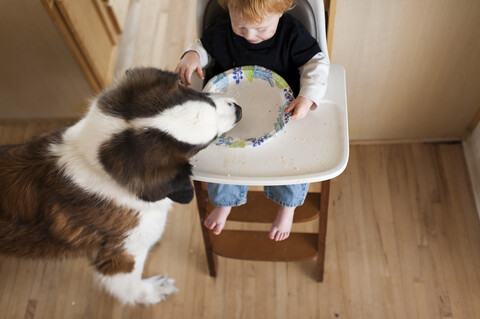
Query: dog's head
x=164 y=124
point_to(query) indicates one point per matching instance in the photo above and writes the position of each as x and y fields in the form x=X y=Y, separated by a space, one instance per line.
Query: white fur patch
x=192 y=122
x=226 y=113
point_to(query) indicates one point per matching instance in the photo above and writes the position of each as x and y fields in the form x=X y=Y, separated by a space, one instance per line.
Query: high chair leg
x=322 y=229
x=212 y=259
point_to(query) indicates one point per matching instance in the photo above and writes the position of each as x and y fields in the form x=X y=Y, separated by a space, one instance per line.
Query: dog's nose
x=238 y=113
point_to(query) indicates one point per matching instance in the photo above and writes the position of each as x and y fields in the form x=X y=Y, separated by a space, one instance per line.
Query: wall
x=471 y=147
x=413 y=67
x=39 y=77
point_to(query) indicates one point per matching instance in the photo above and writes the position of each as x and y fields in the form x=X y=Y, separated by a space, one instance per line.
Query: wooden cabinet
x=93 y=29
x=117 y=9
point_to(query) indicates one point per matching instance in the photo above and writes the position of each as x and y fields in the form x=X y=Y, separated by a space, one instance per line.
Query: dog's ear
x=138 y=162
x=179 y=189
x=183 y=190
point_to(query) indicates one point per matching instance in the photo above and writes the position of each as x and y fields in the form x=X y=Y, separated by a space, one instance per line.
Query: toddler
x=260 y=32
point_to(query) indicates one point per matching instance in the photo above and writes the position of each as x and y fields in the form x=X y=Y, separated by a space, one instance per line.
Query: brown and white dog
x=103 y=187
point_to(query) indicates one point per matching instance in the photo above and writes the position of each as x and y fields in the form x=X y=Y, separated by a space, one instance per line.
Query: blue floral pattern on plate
x=221 y=82
x=236 y=76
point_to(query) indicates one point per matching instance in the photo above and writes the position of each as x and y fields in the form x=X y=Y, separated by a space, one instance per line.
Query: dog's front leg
x=130 y=288
x=126 y=282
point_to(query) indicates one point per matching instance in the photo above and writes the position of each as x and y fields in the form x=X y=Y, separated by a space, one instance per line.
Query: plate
x=263 y=96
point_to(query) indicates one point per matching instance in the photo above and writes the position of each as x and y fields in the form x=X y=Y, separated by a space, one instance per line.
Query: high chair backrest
x=310 y=12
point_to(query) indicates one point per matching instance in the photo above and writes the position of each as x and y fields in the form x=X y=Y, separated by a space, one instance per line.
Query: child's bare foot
x=215 y=221
x=282 y=224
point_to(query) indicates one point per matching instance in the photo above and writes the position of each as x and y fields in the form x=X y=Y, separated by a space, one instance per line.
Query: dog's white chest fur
x=149 y=230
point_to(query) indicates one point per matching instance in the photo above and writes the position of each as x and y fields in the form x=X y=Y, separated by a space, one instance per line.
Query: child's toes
x=281 y=236
x=217 y=229
x=278 y=236
x=210 y=224
x=273 y=232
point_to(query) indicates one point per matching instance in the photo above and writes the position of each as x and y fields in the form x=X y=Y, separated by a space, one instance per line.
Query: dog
x=102 y=187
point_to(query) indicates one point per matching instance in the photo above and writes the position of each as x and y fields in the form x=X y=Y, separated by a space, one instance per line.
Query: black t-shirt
x=291 y=47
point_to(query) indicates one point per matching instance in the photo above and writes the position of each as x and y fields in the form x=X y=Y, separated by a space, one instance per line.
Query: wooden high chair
x=317 y=151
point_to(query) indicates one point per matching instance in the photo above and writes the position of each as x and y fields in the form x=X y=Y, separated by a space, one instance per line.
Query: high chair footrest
x=255 y=245
x=260 y=209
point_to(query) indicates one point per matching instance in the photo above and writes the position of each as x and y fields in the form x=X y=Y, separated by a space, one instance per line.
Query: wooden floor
x=403 y=237
x=403 y=242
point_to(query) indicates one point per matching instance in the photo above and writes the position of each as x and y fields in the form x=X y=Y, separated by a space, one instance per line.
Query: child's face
x=254 y=32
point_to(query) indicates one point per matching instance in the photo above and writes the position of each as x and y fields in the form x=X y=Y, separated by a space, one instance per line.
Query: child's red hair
x=255 y=10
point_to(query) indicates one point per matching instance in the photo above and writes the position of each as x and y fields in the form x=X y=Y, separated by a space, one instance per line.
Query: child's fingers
x=178 y=70
x=294 y=115
x=181 y=74
x=199 y=72
x=299 y=111
x=299 y=114
x=188 y=76
x=291 y=107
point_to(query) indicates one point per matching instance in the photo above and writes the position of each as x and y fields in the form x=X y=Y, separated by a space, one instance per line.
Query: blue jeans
x=224 y=195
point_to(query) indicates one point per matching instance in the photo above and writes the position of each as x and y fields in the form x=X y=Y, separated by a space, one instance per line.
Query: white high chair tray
x=308 y=150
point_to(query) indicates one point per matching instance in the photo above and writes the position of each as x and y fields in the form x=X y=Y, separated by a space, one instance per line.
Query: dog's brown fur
x=44 y=215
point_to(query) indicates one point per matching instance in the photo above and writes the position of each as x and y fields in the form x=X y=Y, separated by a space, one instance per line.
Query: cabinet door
x=91 y=30
x=117 y=10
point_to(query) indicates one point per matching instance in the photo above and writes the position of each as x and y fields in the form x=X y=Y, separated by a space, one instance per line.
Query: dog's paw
x=131 y=290
x=156 y=289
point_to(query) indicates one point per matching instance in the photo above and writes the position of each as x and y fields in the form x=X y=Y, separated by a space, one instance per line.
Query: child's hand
x=300 y=107
x=189 y=63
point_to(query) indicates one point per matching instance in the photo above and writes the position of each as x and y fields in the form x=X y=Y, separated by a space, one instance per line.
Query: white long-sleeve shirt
x=313 y=74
